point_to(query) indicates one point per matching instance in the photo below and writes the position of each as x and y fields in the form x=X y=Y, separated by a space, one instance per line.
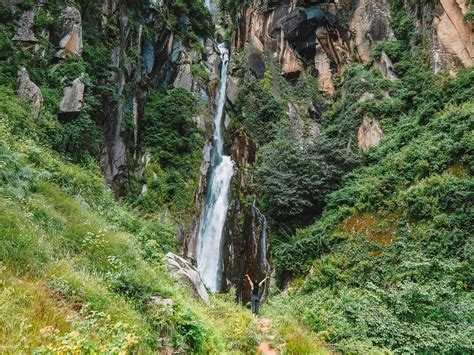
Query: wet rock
x=206 y=159
x=183 y=269
x=149 y=56
x=226 y=121
x=71 y=103
x=24 y=30
x=70 y=23
x=369 y=133
x=28 y=90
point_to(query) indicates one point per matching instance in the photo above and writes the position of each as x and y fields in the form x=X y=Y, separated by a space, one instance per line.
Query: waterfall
x=263 y=237
x=211 y=230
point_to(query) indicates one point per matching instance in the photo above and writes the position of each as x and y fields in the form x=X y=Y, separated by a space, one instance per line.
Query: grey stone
x=303 y=134
x=206 y=159
x=161 y=306
x=183 y=269
x=28 y=90
x=73 y=97
x=184 y=79
x=24 y=31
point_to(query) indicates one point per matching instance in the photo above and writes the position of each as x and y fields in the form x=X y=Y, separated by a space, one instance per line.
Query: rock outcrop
x=303 y=134
x=183 y=269
x=73 y=97
x=455 y=35
x=442 y=26
x=232 y=83
x=184 y=79
x=385 y=66
x=370 y=23
x=369 y=133
x=28 y=90
x=70 y=23
x=24 y=30
x=301 y=34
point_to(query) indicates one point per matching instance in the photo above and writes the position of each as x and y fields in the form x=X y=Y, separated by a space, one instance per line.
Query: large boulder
x=70 y=23
x=183 y=269
x=71 y=103
x=369 y=133
x=28 y=90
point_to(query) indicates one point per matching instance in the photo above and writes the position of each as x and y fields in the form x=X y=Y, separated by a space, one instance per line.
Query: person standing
x=256 y=293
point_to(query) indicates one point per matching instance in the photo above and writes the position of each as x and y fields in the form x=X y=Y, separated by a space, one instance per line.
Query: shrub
x=295 y=182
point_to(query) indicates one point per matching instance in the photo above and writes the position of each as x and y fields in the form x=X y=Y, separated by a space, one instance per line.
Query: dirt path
x=265 y=349
x=264 y=327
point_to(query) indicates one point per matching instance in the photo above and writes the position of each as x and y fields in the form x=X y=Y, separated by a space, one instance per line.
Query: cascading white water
x=210 y=241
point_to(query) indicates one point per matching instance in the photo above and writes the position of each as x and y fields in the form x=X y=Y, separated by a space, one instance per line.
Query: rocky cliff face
x=140 y=64
x=135 y=54
x=322 y=39
x=328 y=36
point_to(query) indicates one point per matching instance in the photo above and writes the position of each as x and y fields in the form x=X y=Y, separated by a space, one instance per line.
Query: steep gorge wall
x=322 y=39
x=130 y=53
x=327 y=36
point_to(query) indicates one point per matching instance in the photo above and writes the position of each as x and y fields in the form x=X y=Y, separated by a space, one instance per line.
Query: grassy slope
x=389 y=264
x=77 y=269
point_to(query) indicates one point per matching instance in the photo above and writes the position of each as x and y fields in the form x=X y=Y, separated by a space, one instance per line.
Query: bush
x=295 y=182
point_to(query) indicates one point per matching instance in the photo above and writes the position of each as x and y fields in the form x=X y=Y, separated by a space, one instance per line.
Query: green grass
x=77 y=269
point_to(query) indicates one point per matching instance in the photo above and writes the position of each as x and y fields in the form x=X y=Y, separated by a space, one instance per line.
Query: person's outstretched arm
x=261 y=282
x=249 y=281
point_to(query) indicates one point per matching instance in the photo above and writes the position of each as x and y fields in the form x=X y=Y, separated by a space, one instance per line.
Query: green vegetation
x=388 y=265
x=375 y=249
x=189 y=19
x=174 y=144
x=294 y=181
x=78 y=271
x=378 y=244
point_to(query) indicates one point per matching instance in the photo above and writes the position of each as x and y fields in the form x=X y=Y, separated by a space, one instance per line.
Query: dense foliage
x=390 y=260
x=295 y=181
x=385 y=263
x=174 y=142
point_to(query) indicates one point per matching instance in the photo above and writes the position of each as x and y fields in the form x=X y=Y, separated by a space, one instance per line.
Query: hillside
x=154 y=153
